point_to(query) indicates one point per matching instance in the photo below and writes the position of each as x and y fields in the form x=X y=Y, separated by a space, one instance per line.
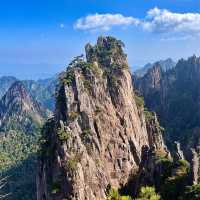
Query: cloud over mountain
x=104 y=22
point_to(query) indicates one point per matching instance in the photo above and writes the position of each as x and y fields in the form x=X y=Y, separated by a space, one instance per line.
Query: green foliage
x=19 y=145
x=148 y=115
x=167 y=166
x=16 y=147
x=72 y=162
x=69 y=77
x=86 y=132
x=174 y=185
x=55 y=188
x=114 y=195
x=148 y=193
x=114 y=49
x=139 y=101
x=21 y=182
x=126 y=198
x=86 y=65
x=63 y=135
x=192 y=192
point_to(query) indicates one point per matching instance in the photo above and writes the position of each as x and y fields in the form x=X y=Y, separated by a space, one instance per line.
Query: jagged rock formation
x=18 y=108
x=5 y=83
x=21 y=118
x=165 y=65
x=178 y=152
x=174 y=96
x=41 y=90
x=98 y=133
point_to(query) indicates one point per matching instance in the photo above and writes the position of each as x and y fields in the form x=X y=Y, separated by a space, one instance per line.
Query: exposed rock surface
x=174 y=95
x=5 y=83
x=21 y=119
x=18 y=107
x=41 y=90
x=165 y=65
x=98 y=134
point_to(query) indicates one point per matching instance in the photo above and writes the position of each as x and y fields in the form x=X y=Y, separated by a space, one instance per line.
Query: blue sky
x=39 y=38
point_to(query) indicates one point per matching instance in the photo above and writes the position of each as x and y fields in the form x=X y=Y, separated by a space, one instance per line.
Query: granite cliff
x=174 y=96
x=98 y=133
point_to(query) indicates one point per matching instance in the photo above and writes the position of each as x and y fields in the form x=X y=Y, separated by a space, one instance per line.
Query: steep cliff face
x=18 y=108
x=164 y=64
x=98 y=133
x=21 y=118
x=175 y=99
x=5 y=83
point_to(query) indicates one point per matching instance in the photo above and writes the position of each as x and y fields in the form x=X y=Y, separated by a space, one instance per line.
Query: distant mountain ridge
x=18 y=107
x=175 y=95
x=165 y=65
x=42 y=90
x=5 y=83
x=21 y=119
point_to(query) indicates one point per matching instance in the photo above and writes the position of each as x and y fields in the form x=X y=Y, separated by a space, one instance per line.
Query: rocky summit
x=100 y=136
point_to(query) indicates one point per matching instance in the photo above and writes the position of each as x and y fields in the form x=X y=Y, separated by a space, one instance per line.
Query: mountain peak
x=164 y=64
x=18 y=105
x=108 y=51
x=98 y=129
x=18 y=96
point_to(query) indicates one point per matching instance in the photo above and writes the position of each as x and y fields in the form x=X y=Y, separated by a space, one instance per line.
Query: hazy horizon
x=40 y=38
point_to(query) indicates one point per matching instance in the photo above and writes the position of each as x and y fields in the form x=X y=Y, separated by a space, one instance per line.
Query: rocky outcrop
x=96 y=139
x=19 y=110
x=178 y=154
x=164 y=64
x=5 y=83
x=174 y=96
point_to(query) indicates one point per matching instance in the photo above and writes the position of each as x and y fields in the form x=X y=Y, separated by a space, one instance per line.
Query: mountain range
x=24 y=107
x=164 y=64
x=174 y=95
x=112 y=135
x=42 y=90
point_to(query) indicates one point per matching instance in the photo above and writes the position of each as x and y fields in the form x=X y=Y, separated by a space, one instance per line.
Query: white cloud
x=165 y=21
x=160 y=21
x=104 y=22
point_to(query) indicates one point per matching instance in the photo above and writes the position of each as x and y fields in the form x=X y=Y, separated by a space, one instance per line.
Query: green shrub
x=63 y=135
x=139 y=101
x=86 y=132
x=69 y=77
x=148 y=193
x=148 y=115
x=72 y=163
x=56 y=187
x=114 y=195
x=192 y=192
x=174 y=186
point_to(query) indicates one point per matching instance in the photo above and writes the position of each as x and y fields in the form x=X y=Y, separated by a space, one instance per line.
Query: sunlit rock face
x=97 y=135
